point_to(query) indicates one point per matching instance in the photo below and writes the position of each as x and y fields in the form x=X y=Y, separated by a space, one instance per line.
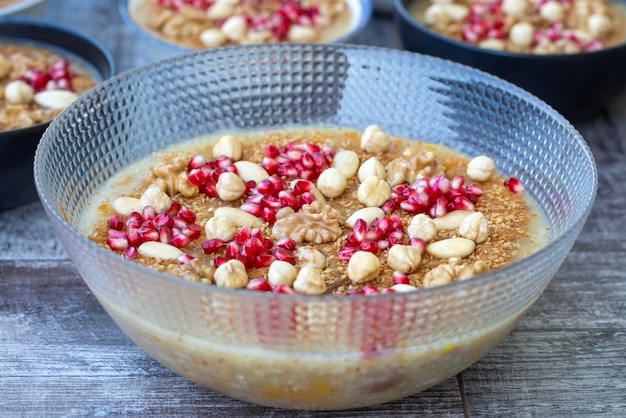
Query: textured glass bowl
x=313 y=352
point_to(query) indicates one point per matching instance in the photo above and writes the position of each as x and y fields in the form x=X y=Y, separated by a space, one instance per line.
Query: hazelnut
x=552 y=11
x=219 y=227
x=299 y=33
x=231 y=274
x=456 y=12
x=404 y=258
x=515 y=7
x=440 y=275
x=221 y=9
x=281 y=272
x=228 y=146
x=347 y=162
x=495 y=44
x=374 y=191
x=474 y=227
x=369 y=168
x=363 y=267
x=401 y=288
x=375 y=140
x=309 y=282
x=481 y=168
x=521 y=34
x=18 y=92
x=235 y=28
x=309 y=256
x=422 y=227
x=212 y=38
x=230 y=186
x=155 y=197
x=599 y=25
x=184 y=187
x=331 y=183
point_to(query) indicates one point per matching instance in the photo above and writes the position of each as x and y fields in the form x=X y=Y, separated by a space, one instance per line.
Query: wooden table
x=61 y=355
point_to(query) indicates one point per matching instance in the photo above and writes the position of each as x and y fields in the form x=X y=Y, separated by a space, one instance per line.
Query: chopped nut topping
x=317 y=223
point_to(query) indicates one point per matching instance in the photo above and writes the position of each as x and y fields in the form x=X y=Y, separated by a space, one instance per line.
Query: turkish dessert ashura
x=316 y=211
x=203 y=24
x=527 y=26
x=36 y=84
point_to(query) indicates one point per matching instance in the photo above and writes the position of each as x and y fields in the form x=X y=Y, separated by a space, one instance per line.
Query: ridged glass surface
x=348 y=351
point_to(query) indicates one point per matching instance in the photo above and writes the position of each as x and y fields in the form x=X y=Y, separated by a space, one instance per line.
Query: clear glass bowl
x=313 y=352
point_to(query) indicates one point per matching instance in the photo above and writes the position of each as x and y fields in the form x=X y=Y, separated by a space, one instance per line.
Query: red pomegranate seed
x=270 y=165
x=271 y=151
x=410 y=207
x=259 y=284
x=284 y=255
x=192 y=231
x=184 y=258
x=284 y=289
x=117 y=240
x=287 y=198
x=374 y=235
x=211 y=245
x=346 y=253
x=268 y=215
x=307 y=198
x=232 y=250
x=266 y=187
x=219 y=260
x=133 y=237
x=514 y=185
x=286 y=243
x=165 y=233
x=418 y=243
x=271 y=202
x=462 y=203
x=148 y=224
x=186 y=214
x=370 y=247
x=370 y=290
x=196 y=161
x=116 y=222
x=209 y=189
x=174 y=208
x=134 y=216
x=255 y=198
x=440 y=208
x=131 y=253
x=163 y=219
x=147 y=234
x=263 y=260
x=301 y=186
x=253 y=247
x=243 y=235
x=395 y=236
x=354 y=292
x=179 y=241
x=382 y=245
x=251 y=184
x=389 y=206
x=352 y=240
x=179 y=223
x=457 y=182
x=359 y=229
x=439 y=184
x=197 y=176
x=148 y=213
x=400 y=278
x=252 y=209
x=288 y=171
x=387 y=290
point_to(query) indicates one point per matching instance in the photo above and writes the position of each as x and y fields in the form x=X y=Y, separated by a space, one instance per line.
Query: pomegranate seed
x=271 y=151
x=284 y=289
x=440 y=208
x=174 y=208
x=209 y=189
x=395 y=236
x=270 y=165
x=354 y=292
x=179 y=241
x=346 y=253
x=286 y=243
x=271 y=202
x=253 y=247
x=133 y=237
x=287 y=171
x=252 y=209
x=352 y=240
x=266 y=187
x=255 y=198
x=457 y=182
x=382 y=245
x=219 y=260
x=287 y=198
x=146 y=234
x=148 y=224
x=301 y=186
x=462 y=203
x=370 y=247
x=370 y=290
x=165 y=234
x=117 y=240
x=410 y=207
x=116 y=222
x=307 y=198
x=263 y=260
x=186 y=214
x=163 y=219
x=387 y=290
x=197 y=176
x=211 y=245
x=418 y=243
x=374 y=235
x=179 y=223
x=134 y=217
x=243 y=235
x=268 y=215
x=359 y=229
x=439 y=184
x=131 y=253
x=400 y=278
x=192 y=231
x=251 y=184
x=514 y=185
x=474 y=189
x=284 y=255
x=184 y=258
x=259 y=284
x=232 y=250
x=196 y=161
x=389 y=207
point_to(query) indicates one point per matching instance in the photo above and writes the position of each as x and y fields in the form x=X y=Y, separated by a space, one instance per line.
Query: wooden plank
x=551 y=374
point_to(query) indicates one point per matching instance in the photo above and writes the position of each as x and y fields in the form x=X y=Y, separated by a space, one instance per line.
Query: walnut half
x=318 y=223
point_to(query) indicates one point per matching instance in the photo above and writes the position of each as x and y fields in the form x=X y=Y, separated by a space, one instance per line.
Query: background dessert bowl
x=23 y=7
x=134 y=15
x=17 y=146
x=577 y=85
x=313 y=352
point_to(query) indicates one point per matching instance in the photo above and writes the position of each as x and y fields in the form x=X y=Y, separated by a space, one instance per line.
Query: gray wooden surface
x=61 y=355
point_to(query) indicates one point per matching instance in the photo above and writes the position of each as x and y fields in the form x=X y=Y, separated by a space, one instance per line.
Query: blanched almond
x=250 y=171
x=55 y=99
x=451 y=247
x=367 y=214
x=160 y=250
x=238 y=217
x=451 y=220
x=126 y=205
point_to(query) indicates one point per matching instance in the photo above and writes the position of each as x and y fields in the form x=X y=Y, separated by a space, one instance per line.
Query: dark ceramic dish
x=577 y=85
x=17 y=146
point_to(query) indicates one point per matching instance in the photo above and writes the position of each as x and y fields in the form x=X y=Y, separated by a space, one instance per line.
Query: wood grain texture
x=61 y=354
